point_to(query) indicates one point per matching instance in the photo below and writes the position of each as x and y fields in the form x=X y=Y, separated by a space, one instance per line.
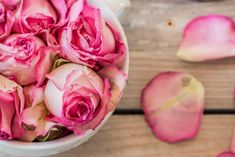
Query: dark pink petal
x=208 y=38
x=117 y=79
x=173 y=104
x=226 y=154
x=6 y=26
x=11 y=4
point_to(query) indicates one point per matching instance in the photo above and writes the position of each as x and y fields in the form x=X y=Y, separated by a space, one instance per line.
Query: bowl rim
x=74 y=138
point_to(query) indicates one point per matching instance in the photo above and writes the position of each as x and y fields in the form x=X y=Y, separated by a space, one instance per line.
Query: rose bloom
x=11 y=107
x=25 y=59
x=88 y=39
x=36 y=16
x=78 y=98
x=6 y=21
x=34 y=113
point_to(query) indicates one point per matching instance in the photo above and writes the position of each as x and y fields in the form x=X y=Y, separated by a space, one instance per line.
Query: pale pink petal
x=232 y=146
x=44 y=64
x=173 y=104
x=76 y=10
x=226 y=154
x=29 y=136
x=62 y=10
x=117 y=79
x=11 y=106
x=35 y=112
x=208 y=38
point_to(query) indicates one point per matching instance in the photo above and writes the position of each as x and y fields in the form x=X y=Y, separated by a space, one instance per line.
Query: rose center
x=83 y=34
x=24 y=48
x=80 y=111
x=40 y=22
x=4 y=135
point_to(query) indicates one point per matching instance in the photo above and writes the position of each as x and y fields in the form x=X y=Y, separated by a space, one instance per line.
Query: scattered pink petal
x=208 y=38
x=232 y=145
x=173 y=104
x=226 y=154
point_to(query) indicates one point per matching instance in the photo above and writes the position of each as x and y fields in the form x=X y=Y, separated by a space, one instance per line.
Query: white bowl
x=19 y=148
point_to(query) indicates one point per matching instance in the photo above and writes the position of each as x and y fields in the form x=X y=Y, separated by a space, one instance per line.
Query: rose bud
x=34 y=114
x=6 y=22
x=88 y=39
x=78 y=98
x=25 y=59
x=11 y=107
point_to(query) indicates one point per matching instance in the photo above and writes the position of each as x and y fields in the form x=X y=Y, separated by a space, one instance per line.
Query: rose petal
x=102 y=111
x=226 y=154
x=173 y=104
x=117 y=79
x=208 y=38
x=8 y=25
x=29 y=136
x=35 y=112
x=61 y=76
x=61 y=10
x=10 y=2
x=11 y=106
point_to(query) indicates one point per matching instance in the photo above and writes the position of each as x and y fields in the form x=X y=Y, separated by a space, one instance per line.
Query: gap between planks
x=206 y=112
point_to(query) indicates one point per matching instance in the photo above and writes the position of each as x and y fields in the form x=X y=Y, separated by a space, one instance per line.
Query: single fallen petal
x=208 y=38
x=232 y=145
x=173 y=104
x=226 y=154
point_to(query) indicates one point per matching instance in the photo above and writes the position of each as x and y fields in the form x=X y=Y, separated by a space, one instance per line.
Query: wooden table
x=153 y=28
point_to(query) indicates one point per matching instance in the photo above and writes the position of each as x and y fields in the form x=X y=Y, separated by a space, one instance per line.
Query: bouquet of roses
x=60 y=67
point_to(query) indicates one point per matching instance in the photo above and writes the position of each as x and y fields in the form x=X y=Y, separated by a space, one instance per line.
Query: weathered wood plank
x=129 y=136
x=153 y=28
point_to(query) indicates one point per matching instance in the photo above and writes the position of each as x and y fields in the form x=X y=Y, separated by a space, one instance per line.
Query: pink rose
x=11 y=107
x=78 y=98
x=34 y=113
x=25 y=59
x=6 y=21
x=36 y=16
x=88 y=39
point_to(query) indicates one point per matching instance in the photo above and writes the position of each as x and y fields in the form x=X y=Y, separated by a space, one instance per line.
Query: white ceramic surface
x=119 y=7
x=25 y=149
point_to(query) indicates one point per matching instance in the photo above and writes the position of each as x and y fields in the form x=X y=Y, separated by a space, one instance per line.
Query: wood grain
x=153 y=29
x=129 y=136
